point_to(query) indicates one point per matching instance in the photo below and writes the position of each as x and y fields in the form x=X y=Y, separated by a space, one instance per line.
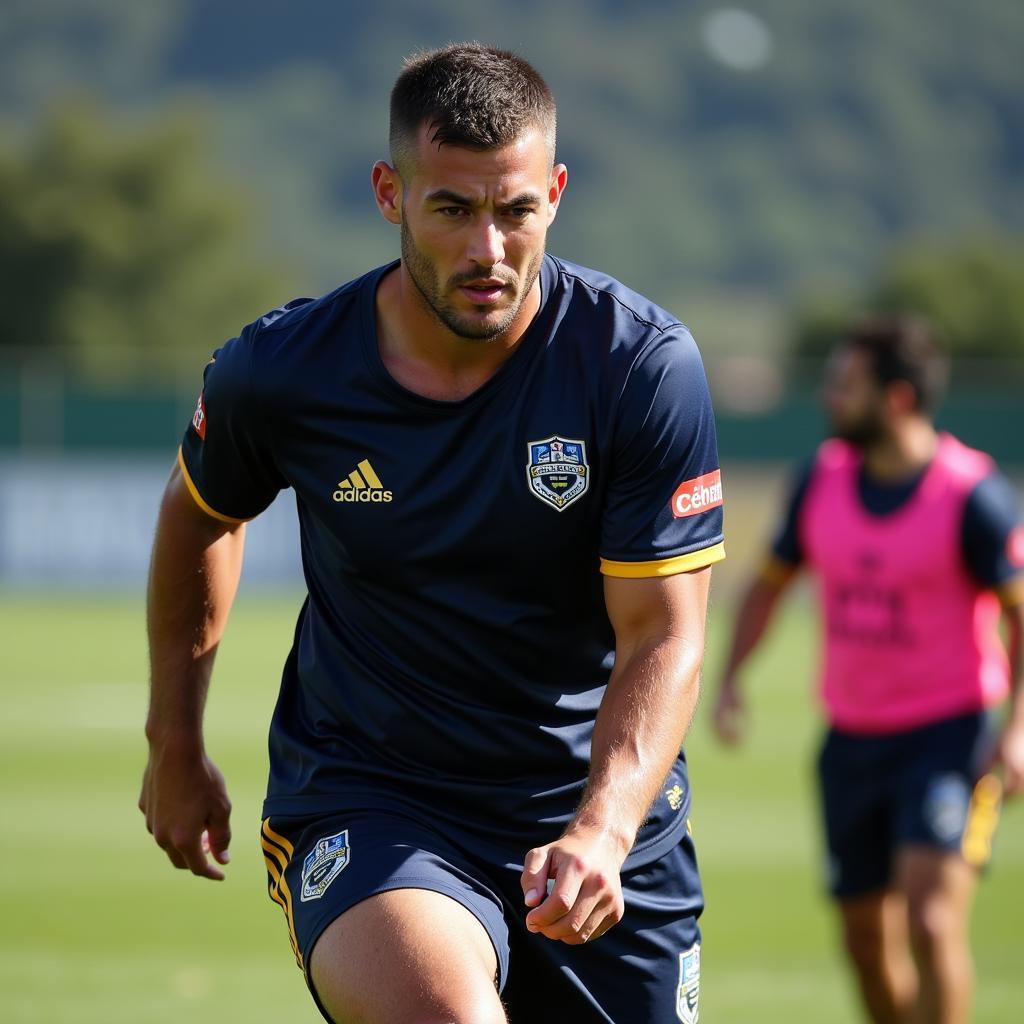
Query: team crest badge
x=328 y=858
x=946 y=802
x=688 y=992
x=557 y=471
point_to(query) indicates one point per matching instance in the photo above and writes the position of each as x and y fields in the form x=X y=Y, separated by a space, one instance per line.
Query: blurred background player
x=916 y=546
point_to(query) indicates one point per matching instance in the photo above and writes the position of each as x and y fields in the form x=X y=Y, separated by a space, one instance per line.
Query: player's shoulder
x=293 y=336
x=966 y=465
x=302 y=313
x=594 y=294
x=833 y=454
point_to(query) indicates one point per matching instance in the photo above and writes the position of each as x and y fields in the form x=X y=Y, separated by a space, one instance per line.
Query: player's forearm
x=1015 y=647
x=194 y=574
x=756 y=612
x=640 y=727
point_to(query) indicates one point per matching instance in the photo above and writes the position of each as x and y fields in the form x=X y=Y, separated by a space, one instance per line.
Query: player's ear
x=556 y=185
x=387 y=191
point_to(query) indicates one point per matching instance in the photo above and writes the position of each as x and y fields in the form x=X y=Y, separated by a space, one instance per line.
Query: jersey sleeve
x=225 y=458
x=663 y=511
x=786 y=547
x=993 y=537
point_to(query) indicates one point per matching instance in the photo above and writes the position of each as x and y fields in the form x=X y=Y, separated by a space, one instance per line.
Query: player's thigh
x=407 y=956
x=873 y=922
x=939 y=887
x=333 y=876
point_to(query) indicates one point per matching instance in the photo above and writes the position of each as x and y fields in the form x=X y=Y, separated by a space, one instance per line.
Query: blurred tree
x=120 y=245
x=973 y=291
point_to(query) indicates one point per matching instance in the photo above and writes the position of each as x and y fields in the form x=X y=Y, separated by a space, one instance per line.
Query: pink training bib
x=909 y=636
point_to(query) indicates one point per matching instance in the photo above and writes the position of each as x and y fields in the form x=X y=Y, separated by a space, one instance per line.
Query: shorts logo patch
x=199 y=418
x=688 y=992
x=328 y=858
x=557 y=471
x=945 y=806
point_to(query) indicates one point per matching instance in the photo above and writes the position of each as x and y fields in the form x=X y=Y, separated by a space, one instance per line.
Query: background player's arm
x=194 y=574
x=756 y=610
x=647 y=707
x=1010 y=748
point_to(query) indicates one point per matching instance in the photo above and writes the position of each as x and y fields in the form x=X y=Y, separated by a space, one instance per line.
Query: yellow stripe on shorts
x=982 y=819
x=277 y=852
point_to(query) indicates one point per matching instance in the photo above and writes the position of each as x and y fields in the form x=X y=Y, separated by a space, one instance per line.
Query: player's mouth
x=484 y=291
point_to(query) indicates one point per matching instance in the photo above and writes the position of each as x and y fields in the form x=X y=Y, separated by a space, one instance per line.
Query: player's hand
x=585 y=897
x=187 y=808
x=730 y=714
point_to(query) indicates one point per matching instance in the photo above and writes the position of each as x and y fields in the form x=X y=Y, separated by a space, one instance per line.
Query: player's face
x=473 y=226
x=854 y=400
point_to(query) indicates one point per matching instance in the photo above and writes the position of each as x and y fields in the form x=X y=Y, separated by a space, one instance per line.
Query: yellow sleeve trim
x=667 y=567
x=777 y=572
x=1011 y=593
x=198 y=498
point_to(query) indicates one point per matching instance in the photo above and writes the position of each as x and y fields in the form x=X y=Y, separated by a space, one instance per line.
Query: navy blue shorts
x=644 y=970
x=881 y=793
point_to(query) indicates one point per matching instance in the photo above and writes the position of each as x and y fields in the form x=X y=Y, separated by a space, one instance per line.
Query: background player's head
x=468 y=95
x=886 y=369
x=471 y=184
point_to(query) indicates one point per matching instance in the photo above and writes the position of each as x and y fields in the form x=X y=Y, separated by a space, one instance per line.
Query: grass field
x=99 y=928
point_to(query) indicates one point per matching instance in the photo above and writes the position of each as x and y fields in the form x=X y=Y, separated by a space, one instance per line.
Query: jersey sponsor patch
x=557 y=472
x=688 y=991
x=199 y=418
x=698 y=495
x=328 y=858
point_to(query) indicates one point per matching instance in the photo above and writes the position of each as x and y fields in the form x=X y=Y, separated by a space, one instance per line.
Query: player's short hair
x=903 y=346
x=470 y=95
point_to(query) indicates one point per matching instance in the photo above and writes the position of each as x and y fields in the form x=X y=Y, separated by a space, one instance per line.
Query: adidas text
x=364 y=494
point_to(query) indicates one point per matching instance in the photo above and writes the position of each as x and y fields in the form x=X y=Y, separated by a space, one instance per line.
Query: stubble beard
x=863 y=434
x=424 y=277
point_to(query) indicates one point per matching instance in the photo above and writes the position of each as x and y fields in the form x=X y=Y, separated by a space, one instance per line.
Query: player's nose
x=487 y=245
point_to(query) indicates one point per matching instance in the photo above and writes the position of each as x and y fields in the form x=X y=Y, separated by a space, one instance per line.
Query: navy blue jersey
x=454 y=646
x=990 y=523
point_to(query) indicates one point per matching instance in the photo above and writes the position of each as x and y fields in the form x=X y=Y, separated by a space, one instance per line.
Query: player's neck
x=426 y=357
x=903 y=451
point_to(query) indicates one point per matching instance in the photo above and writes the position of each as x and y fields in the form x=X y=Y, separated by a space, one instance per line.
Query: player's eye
x=452 y=212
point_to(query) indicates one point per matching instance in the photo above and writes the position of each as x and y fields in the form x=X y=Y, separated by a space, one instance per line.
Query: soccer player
x=915 y=543
x=509 y=501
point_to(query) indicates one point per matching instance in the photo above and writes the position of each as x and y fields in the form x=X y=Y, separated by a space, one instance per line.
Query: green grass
x=99 y=927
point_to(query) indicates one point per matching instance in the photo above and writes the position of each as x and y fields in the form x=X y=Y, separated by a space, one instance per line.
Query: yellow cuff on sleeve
x=198 y=498
x=666 y=566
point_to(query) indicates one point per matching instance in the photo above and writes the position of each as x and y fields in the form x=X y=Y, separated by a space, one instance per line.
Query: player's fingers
x=186 y=852
x=603 y=917
x=534 y=879
x=569 y=875
x=598 y=906
x=217 y=838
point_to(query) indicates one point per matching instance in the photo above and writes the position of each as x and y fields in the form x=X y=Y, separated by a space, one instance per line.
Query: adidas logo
x=362 y=484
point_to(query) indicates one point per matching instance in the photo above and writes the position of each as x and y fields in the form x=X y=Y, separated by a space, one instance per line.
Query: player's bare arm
x=646 y=710
x=757 y=608
x=194 y=574
x=1010 y=748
